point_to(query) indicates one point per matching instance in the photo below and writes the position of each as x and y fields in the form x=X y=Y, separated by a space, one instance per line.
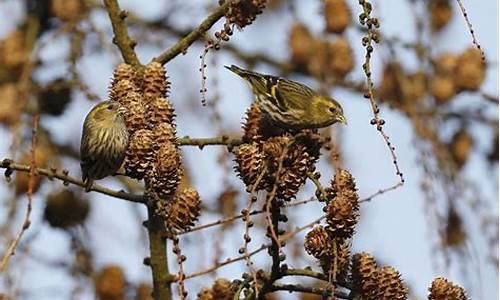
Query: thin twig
x=31 y=182
x=202 y=142
x=380 y=192
x=63 y=175
x=121 y=39
x=182 y=45
x=469 y=25
x=311 y=290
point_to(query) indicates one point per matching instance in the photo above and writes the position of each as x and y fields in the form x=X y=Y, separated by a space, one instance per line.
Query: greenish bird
x=290 y=104
x=104 y=141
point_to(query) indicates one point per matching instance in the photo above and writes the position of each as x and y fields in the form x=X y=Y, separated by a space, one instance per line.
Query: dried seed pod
x=163 y=133
x=54 y=97
x=13 y=51
x=440 y=13
x=10 y=106
x=470 y=71
x=318 y=63
x=442 y=289
x=274 y=147
x=183 y=211
x=317 y=242
x=139 y=155
x=300 y=45
x=63 y=209
x=461 y=147
x=205 y=294
x=454 y=234
x=442 y=88
x=126 y=72
x=414 y=87
x=120 y=90
x=143 y=292
x=364 y=275
x=244 y=12
x=110 y=283
x=343 y=180
x=390 y=285
x=249 y=164
x=342 y=214
x=223 y=289
x=339 y=259
x=167 y=170
x=446 y=63
x=293 y=176
x=67 y=10
x=155 y=81
x=337 y=15
x=390 y=87
x=341 y=57
x=227 y=203
x=136 y=112
x=160 y=111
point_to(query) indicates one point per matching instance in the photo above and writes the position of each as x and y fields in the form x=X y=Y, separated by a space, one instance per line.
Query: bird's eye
x=333 y=109
x=110 y=107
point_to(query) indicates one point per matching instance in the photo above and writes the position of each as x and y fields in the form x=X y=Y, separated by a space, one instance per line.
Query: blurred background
x=438 y=99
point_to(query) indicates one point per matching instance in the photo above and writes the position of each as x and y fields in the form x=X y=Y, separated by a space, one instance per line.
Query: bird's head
x=331 y=109
x=108 y=112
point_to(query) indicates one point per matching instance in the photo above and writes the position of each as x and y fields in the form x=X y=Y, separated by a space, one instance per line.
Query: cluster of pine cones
x=153 y=153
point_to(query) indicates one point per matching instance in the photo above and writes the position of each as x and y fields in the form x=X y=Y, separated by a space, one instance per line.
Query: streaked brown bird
x=104 y=142
x=290 y=104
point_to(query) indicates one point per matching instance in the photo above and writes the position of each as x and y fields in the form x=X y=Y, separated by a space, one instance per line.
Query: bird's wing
x=297 y=94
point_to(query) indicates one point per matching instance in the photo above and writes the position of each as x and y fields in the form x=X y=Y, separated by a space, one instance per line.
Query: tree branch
x=202 y=142
x=303 y=289
x=10 y=166
x=182 y=45
x=121 y=39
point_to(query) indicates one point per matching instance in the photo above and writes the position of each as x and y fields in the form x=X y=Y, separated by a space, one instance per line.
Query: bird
x=104 y=141
x=291 y=105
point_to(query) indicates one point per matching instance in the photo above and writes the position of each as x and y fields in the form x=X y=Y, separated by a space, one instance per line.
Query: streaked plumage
x=290 y=104
x=104 y=141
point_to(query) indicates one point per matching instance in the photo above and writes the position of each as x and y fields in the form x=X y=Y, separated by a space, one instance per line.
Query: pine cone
x=470 y=71
x=340 y=260
x=440 y=13
x=317 y=242
x=337 y=15
x=252 y=125
x=63 y=209
x=110 y=283
x=205 y=294
x=300 y=45
x=126 y=72
x=364 y=275
x=342 y=214
x=244 y=12
x=67 y=10
x=138 y=158
x=390 y=285
x=223 y=289
x=294 y=174
x=183 y=211
x=155 y=81
x=161 y=111
x=342 y=181
x=163 y=133
x=442 y=289
x=136 y=114
x=249 y=165
x=120 y=90
x=442 y=88
x=341 y=60
x=167 y=171
x=461 y=147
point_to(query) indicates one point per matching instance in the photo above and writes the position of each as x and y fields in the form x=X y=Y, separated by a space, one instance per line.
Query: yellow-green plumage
x=104 y=141
x=290 y=104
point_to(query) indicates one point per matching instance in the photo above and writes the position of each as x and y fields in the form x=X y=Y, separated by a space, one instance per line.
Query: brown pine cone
x=244 y=12
x=138 y=158
x=160 y=111
x=155 y=81
x=120 y=90
x=364 y=275
x=136 y=112
x=339 y=259
x=317 y=242
x=249 y=165
x=337 y=15
x=390 y=285
x=470 y=71
x=442 y=289
x=183 y=211
x=167 y=171
x=342 y=214
x=110 y=283
x=299 y=42
x=63 y=209
x=341 y=60
x=163 y=133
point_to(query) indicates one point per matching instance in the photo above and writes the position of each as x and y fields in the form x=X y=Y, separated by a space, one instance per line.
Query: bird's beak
x=342 y=119
x=122 y=110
